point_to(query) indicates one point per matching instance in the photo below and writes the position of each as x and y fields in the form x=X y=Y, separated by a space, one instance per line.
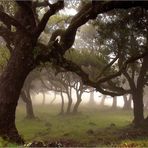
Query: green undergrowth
x=91 y=127
x=4 y=143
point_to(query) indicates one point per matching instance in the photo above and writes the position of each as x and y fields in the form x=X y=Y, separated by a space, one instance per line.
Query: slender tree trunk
x=92 y=99
x=114 y=104
x=29 y=107
x=103 y=100
x=138 y=107
x=43 y=101
x=146 y=104
x=69 y=104
x=75 y=109
x=138 y=94
x=130 y=102
x=53 y=99
x=62 y=105
x=127 y=102
x=11 y=83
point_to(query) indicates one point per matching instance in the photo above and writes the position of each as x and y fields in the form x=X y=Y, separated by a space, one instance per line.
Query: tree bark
x=114 y=104
x=91 y=99
x=29 y=107
x=8 y=129
x=103 y=100
x=62 y=105
x=75 y=109
x=44 y=98
x=130 y=102
x=127 y=102
x=53 y=99
x=69 y=104
x=11 y=83
x=146 y=104
x=138 y=94
x=20 y=63
x=138 y=107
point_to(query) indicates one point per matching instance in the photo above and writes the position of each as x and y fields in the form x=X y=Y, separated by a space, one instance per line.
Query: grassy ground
x=92 y=127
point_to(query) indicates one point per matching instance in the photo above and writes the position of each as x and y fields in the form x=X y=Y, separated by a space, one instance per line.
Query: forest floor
x=91 y=127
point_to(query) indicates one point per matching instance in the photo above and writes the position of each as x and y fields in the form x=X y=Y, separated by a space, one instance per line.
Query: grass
x=92 y=127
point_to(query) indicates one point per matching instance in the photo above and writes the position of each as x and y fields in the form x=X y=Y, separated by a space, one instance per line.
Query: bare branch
x=53 y=9
x=113 y=87
x=6 y=19
x=57 y=59
x=90 y=11
x=40 y=4
x=123 y=67
x=57 y=50
x=144 y=69
x=108 y=66
x=7 y=36
x=130 y=80
x=110 y=93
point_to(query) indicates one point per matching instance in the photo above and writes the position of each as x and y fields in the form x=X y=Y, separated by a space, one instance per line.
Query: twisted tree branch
x=6 y=19
x=53 y=9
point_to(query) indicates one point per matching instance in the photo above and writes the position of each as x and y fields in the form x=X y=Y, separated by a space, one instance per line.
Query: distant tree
x=122 y=46
x=64 y=82
x=127 y=101
x=79 y=88
x=29 y=108
x=103 y=100
x=60 y=83
x=92 y=97
x=114 y=104
x=128 y=42
x=21 y=31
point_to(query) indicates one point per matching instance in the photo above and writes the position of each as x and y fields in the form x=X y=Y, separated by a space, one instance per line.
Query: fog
x=38 y=99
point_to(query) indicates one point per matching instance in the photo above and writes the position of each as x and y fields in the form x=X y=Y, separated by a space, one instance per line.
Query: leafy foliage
x=91 y=62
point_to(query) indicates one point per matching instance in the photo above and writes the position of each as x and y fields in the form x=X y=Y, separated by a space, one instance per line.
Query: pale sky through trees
x=37 y=98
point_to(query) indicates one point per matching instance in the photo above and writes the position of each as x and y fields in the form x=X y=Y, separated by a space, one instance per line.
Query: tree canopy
x=22 y=24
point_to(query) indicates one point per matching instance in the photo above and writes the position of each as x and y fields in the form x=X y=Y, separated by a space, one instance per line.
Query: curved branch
x=7 y=36
x=123 y=67
x=130 y=80
x=112 y=86
x=108 y=66
x=53 y=9
x=6 y=19
x=110 y=93
x=89 y=11
x=40 y=4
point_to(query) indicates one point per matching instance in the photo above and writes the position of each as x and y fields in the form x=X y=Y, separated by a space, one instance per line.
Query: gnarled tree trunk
x=75 y=109
x=137 y=94
x=114 y=104
x=11 y=83
x=127 y=102
x=92 y=99
x=44 y=98
x=138 y=107
x=29 y=108
x=69 y=94
x=69 y=104
x=53 y=99
x=103 y=100
x=62 y=105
